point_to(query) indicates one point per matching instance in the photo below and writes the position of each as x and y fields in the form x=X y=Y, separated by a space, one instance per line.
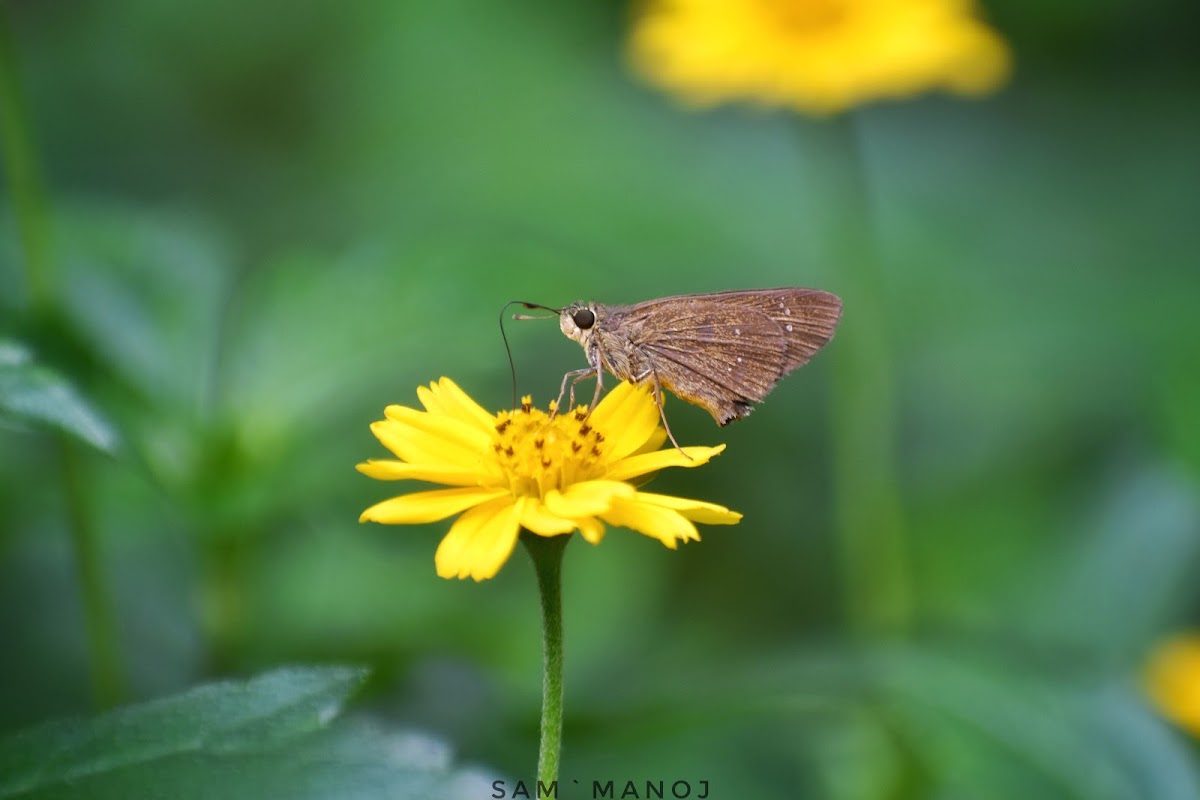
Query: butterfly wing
x=726 y=351
x=807 y=317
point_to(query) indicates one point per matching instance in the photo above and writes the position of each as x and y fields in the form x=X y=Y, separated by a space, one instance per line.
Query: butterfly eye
x=584 y=319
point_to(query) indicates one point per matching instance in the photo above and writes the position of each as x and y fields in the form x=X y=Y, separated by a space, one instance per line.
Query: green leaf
x=1139 y=531
x=271 y=736
x=928 y=718
x=975 y=719
x=147 y=290
x=33 y=394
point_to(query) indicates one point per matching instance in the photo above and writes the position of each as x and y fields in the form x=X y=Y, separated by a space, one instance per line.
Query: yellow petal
x=653 y=443
x=783 y=52
x=538 y=519
x=1170 y=678
x=480 y=541
x=628 y=417
x=695 y=510
x=428 y=506
x=664 y=524
x=445 y=397
x=652 y=462
x=591 y=528
x=462 y=432
x=586 y=498
x=612 y=405
x=419 y=446
x=386 y=470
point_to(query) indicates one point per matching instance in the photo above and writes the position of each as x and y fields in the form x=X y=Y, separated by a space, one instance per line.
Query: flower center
x=537 y=452
x=805 y=16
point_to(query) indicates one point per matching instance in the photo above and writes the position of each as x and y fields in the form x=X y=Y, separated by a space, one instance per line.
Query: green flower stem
x=224 y=601
x=547 y=555
x=32 y=217
x=108 y=678
x=24 y=176
x=869 y=514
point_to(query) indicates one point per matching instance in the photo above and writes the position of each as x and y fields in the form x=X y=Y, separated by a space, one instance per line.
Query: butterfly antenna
x=512 y=366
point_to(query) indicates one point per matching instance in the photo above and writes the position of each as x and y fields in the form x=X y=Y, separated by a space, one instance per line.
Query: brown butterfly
x=722 y=351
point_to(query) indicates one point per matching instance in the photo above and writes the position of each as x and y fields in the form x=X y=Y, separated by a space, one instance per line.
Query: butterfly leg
x=576 y=375
x=652 y=373
x=594 y=358
x=570 y=379
x=658 y=401
x=596 y=394
x=582 y=375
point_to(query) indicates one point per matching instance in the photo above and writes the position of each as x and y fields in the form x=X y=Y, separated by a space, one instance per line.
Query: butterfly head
x=578 y=321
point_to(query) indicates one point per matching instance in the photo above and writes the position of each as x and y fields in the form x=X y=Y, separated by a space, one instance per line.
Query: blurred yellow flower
x=817 y=56
x=527 y=469
x=1172 y=679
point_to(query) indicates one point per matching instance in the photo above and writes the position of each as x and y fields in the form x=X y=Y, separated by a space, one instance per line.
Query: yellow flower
x=1172 y=679
x=817 y=56
x=525 y=469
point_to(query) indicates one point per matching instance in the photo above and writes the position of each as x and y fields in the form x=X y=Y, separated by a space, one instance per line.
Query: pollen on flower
x=537 y=452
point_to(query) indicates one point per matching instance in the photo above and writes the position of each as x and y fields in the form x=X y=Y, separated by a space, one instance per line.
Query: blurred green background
x=265 y=222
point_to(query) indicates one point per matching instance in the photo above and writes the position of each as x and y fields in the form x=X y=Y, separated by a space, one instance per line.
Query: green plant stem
x=24 y=176
x=867 y=501
x=108 y=678
x=224 y=599
x=32 y=217
x=547 y=555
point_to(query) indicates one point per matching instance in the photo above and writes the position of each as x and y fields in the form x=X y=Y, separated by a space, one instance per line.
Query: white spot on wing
x=787 y=328
x=737 y=331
